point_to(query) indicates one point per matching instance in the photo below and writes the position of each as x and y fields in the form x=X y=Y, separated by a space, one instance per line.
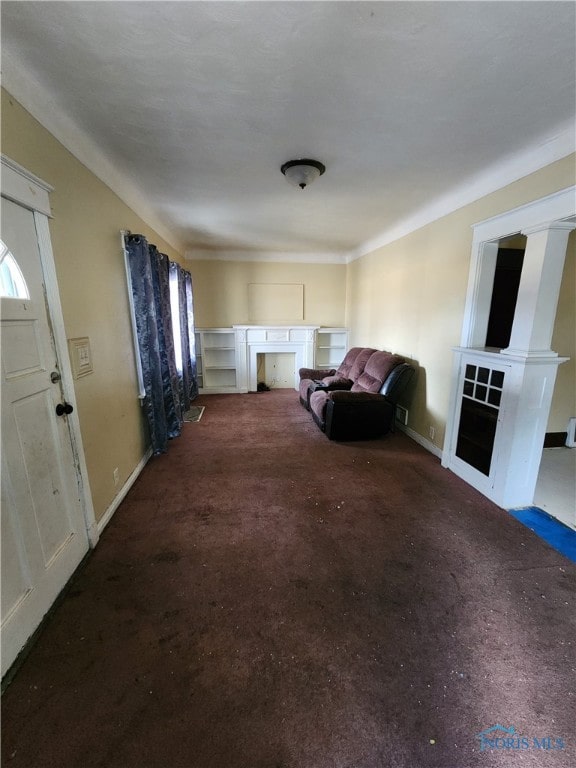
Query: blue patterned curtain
x=167 y=390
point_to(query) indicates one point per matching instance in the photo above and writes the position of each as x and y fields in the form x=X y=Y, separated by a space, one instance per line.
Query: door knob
x=55 y=377
x=63 y=409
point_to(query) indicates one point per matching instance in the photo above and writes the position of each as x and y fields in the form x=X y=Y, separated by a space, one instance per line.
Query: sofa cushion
x=343 y=369
x=376 y=372
x=360 y=362
x=337 y=381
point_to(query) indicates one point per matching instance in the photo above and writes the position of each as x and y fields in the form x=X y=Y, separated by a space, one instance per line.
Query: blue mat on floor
x=558 y=535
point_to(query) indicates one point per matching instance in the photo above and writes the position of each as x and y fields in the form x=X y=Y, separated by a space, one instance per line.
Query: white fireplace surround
x=252 y=340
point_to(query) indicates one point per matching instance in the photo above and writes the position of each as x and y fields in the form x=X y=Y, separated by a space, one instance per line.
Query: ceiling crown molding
x=506 y=171
x=291 y=257
x=38 y=102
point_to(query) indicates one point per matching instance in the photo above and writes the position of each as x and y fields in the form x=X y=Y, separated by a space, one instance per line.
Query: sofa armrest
x=332 y=383
x=315 y=373
x=397 y=381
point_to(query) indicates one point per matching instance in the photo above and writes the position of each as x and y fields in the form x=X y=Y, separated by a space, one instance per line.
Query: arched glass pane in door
x=12 y=283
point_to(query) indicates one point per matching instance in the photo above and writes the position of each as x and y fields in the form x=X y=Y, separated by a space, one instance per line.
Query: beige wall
x=221 y=290
x=85 y=234
x=409 y=297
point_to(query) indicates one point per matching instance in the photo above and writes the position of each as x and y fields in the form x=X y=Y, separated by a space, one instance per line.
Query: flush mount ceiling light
x=301 y=173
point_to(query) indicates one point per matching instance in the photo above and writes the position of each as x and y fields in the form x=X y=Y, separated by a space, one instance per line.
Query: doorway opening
x=509 y=261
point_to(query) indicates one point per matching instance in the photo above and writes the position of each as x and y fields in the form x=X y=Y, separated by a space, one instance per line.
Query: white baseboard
x=105 y=519
x=420 y=440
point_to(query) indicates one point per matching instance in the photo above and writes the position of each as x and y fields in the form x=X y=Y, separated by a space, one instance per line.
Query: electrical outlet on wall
x=432 y=432
x=116 y=475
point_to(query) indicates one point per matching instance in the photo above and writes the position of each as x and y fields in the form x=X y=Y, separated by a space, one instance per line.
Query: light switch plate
x=80 y=356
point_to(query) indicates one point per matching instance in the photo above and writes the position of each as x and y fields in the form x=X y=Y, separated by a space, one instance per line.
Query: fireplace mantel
x=252 y=340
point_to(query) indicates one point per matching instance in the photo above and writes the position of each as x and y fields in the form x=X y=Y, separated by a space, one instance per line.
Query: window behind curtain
x=158 y=291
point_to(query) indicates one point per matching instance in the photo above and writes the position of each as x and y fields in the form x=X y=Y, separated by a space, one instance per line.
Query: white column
x=539 y=289
x=521 y=434
x=241 y=360
x=480 y=285
x=309 y=351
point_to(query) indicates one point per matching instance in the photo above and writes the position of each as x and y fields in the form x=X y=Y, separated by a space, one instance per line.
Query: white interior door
x=44 y=535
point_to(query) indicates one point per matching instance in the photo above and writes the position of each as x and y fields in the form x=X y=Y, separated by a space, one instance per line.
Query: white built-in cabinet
x=501 y=410
x=199 y=359
x=226 y=357
x=331 y=347
x=216 y=360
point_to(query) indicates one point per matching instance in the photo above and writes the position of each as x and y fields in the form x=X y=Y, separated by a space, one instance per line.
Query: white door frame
x=555 y=207
x=26 y=189
x=517 y=468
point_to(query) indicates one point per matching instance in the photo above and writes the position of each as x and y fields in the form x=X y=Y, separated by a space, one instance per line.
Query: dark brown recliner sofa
x=343 y=377
x=366 y=410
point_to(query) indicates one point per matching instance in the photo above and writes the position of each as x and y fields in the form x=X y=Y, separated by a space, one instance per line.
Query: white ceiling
x=188 y=110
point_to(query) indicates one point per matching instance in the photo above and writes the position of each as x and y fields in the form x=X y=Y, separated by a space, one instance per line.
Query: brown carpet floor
x=264 y=598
